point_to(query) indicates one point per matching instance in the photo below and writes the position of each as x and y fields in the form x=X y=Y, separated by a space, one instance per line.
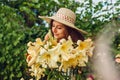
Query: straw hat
x=66 y=17
x=117 y=56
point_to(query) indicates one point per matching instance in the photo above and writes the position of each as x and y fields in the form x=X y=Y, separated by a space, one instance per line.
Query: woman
x=62 y=26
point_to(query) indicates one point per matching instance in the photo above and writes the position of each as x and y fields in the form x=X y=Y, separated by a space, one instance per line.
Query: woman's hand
x=46 y=38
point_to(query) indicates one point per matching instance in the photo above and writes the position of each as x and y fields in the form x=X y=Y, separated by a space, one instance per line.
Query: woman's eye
x=59 y=28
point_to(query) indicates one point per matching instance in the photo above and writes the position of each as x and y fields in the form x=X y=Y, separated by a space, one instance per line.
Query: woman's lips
x=55 y=34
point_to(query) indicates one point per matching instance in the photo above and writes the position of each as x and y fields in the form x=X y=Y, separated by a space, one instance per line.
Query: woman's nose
x=54 y=30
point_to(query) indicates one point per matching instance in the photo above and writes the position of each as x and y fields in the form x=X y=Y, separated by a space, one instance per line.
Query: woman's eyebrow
x=59 y=25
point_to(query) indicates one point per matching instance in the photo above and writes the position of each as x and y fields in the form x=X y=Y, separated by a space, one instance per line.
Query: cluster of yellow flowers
x=41 y=55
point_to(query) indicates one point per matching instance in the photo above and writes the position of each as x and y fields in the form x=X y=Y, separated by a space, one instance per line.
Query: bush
x=13 y=38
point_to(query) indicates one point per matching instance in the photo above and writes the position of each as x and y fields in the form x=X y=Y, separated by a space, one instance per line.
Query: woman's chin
x=56 y=37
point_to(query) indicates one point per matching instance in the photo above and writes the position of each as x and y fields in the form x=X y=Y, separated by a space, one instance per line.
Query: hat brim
x=48 y=19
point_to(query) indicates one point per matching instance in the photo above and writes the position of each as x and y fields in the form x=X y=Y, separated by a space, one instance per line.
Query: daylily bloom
x=42 y=55
x=39 y=41
x=33 y=50
x=53 y=42
x=84 y=44
x=70 y=63
x=82 y=59
x=89 y=52
x=66 y=45
x=48 y=60
x=37 y=71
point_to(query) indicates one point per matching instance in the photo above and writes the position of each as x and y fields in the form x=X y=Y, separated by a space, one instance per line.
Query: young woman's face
x=59 y=30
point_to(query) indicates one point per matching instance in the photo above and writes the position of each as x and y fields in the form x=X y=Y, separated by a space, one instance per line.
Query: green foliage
x=14 y=36
x=116 y=41
x=12 y=60
x=54 y=74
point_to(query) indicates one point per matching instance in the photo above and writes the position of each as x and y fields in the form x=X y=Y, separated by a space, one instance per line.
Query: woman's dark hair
x=51 y=26
x=75 y=35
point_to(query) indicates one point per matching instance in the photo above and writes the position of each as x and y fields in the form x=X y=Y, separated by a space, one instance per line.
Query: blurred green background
x=19 y=24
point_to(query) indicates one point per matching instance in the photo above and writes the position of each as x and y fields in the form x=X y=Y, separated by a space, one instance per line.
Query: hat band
x=66 y=18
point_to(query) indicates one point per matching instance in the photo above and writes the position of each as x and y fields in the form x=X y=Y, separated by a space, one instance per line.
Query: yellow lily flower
x=41 y=55
x=47 y=59
x=70 y=63
x=53 y=42
x=33 y=50
x=66 y=45
x=82 y=59
x=39 y=41
x=37 y=71
x=82 y=45
x=89 y=52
